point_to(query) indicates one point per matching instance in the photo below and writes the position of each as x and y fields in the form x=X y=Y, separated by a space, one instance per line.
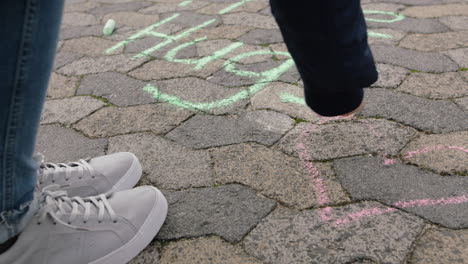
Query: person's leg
x=328 y=41
x=29 y=31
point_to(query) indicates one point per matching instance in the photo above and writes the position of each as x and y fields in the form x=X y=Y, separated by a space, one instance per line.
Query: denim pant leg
x=28 y=31
x=328 y=42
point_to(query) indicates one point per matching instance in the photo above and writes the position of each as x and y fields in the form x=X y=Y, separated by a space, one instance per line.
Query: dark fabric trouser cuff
x=335 y=104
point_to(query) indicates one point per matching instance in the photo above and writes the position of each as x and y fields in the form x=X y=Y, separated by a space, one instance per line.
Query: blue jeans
x=28 y=31
x=328 y=41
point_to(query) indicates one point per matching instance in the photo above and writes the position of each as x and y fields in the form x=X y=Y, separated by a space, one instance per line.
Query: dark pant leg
x=28 y=35
x=328 y=41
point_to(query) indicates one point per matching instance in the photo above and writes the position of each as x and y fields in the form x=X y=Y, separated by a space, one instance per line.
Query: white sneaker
x=111 y=173
x=111 y=228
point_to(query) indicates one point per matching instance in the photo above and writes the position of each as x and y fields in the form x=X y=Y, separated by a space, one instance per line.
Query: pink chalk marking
x=353 y=217
x=432 y=148
x=388 y=161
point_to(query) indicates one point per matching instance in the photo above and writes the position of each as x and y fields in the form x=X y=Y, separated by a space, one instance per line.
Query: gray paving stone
x=64 y=58
x=59 y=144
x=225 y=78
x=390 y=76
x=111 y=121
x=190 y=19
x=69 y=110
x=392 y=36
x=205 y=250
x=413 y=25
x=446 y=153
x=435 y=42
x=462 y=102
x=460 y=56
x=251 y=7
x=346 y=139
x=149 y=255
x=251 y=20
x=61 y=86
x=132 y=19
x=441 y=246
x=418 y=2
x=455 y=22
x=115 y=87
x=229 y=211
x=204 y=131
x=166 y=164
x=437 y=10
x=80 y=7
x=90 y=46
x=161 y=69
x=161 y=7
x=406 y=187
x=78 y=19
x=80 y=31
x=120 y=63
x=414 y=60
x=302 y=237
x=437 y=86
x=194 y=90
x=262 y=37
x=113 y=8
x=274 y=97
x=429 y=115
x=275 y=175
x=221 y=32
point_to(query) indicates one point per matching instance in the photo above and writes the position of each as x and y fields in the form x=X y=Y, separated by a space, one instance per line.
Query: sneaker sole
x=131 y=177
x=143 y=238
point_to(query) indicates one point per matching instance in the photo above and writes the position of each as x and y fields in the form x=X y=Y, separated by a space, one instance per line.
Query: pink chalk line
x=385 y=156
x=321 y=189
x=353 y=217
x=432 y=148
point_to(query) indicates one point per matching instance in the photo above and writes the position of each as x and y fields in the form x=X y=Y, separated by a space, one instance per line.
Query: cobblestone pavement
x=206 y=95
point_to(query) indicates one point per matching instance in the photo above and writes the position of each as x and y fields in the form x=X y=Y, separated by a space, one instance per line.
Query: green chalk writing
x=185 y=3
x=233 y=6
x=289 y=98
x=396 y=17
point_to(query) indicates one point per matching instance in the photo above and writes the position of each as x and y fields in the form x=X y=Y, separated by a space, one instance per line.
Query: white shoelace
x=51 y=170
x=57 y=203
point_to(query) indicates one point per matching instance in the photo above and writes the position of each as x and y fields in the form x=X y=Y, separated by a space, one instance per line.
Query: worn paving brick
x=202 y=131
x=69 y=110
x=133 y=19
x=274 y=175
x=64 y=58
x=209 y=95
x=150 y=255
x=446 y=153
x=166 y=164
x=161 y=69
x=437 y=10
x=429 y=115
x=368 y=178
x=302 y=237
x=217 y=8
x=80 y=7
x=115 y=87
x=90 y=46
x=462 y=102
x=209 y=47
x=113 y=8
x=78 y=19
x=414 y=60
x=229 y=211
x=221 y=32
x=460 y=56
x=441 y=246
x=390 y=76
x=436 y=42
x=59 y=144
x=346 y=139
x=61 y=86
x=438 y=86
x=190 y=19
x=120 y=63
x=251 y=20
x=262 y=37
x=161 y=7
x=145 y=43
x=455 y=22
x=392 y=37
x=111 y=121
x=205 y=250
x=273 y=97
x=412 y=25
x=81 y=31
